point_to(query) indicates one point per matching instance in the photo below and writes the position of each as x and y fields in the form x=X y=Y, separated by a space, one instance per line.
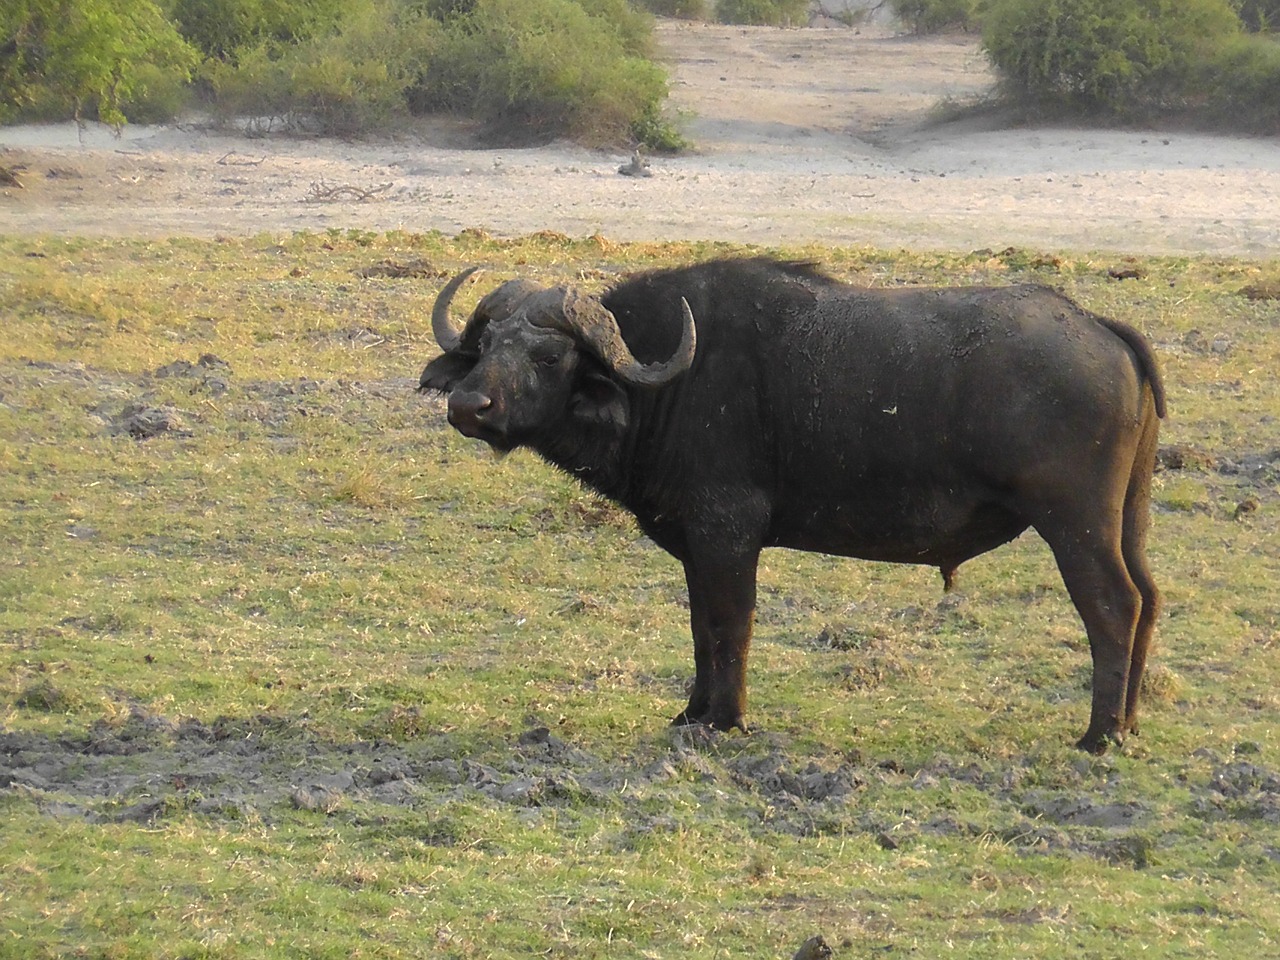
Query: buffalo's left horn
x=448 y=334
x=589 y=319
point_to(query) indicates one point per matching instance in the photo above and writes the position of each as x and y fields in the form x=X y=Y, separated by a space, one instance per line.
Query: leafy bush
x=655 y=131
x=1242 y=84
x=766 y=12
x=222 y=28
x=74 y=58
x=579 y=68
x=1124 y=58
x=345 y=81
x=158 y=94
x=680 y=9
x=930 y=16
x=1259 y=16
x=542 y=68
x=633 y=24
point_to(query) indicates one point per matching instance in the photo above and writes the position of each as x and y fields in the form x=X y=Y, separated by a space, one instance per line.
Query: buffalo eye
x=548 y=360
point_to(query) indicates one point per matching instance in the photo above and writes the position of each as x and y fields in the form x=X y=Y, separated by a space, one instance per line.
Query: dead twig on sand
x=234 y=160
x=322 y=192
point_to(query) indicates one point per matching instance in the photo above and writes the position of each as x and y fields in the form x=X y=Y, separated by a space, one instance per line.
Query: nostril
x=469 y=407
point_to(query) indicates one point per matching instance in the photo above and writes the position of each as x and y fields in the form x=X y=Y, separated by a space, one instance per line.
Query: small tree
x=73 y=55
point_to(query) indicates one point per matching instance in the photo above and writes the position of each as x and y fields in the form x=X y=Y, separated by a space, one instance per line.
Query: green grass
x=314 y=676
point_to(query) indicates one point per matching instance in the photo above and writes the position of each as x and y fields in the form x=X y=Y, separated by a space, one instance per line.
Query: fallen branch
x=231 y=159
x=9 y=177
x=322 y=192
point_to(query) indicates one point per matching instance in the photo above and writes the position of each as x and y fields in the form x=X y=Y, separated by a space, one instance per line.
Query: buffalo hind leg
x=1137 y=518
x=722 y=599
x=1147 y=616
x=1098 y=581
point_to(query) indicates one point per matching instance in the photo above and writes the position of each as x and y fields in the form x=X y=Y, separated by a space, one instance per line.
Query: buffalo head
x=531 y=362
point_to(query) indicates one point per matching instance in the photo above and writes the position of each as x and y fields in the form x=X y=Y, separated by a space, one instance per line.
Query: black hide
x=911 y=425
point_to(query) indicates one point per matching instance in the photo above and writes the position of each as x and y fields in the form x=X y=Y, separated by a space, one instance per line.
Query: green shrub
x=542 y=68
x=1259 y=16
x=930 y=16
x=344 y=94
x=257 y=86
x=680 y=9
x=444 y=9
x=772 y=13
x=1241 y=84
x=346 y=82
x=1124 y=58
x=222 y=28
x=82 y=58
x=633 y=24
x=158 y=94
x=656 y=131
x=577 y=68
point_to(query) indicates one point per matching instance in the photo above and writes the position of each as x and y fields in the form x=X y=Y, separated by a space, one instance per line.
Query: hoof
x=1098 y=743
x=684 y=719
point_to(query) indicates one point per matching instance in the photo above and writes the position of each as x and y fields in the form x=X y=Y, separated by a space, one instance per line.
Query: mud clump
x=1264 y=290
x=211 y=373
x=394 y=270
x=1184 y=457
x=772 y=776
x=1085 y=811
x=1243 y=790
x=815 y=948
x=1260 y=468
x=142 y=422
x=1126 y=272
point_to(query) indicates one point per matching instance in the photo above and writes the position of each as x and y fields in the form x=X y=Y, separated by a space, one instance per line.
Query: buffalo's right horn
x=448 y=334
x=588 y=318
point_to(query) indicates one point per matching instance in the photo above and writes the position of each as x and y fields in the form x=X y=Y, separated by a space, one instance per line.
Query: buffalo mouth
x=479 y=431
x=476 y=429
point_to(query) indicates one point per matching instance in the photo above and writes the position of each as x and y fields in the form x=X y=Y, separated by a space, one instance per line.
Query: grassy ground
x=290 y=669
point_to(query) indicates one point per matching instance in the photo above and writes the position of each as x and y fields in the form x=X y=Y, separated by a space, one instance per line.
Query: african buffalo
x=749 y=403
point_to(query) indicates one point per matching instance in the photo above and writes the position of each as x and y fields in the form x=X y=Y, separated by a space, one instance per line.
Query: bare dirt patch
x=803 y=136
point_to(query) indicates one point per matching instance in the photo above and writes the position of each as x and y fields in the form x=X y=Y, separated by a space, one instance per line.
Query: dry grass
x=317 y=676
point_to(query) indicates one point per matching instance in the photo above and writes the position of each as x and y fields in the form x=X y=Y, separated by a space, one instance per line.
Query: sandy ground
x=817 y=135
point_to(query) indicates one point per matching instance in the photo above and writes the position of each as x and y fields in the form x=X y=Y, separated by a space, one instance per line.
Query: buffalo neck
x=617 y=461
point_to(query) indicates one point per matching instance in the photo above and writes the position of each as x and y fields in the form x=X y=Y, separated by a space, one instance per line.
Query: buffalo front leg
x=722 y=602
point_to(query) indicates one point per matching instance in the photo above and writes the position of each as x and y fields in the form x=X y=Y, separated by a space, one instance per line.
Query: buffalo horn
x=448 y=334
x=589 y=319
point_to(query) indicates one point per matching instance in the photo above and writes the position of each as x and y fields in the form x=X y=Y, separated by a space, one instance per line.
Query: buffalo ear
x=599 y=399
x=444 y=372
